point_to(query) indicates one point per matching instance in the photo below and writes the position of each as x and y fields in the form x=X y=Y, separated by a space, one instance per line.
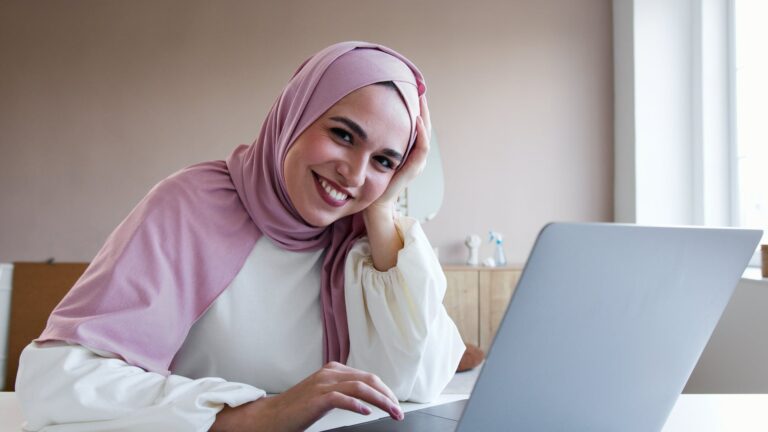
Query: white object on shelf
x=489 y=262
x=473 y=244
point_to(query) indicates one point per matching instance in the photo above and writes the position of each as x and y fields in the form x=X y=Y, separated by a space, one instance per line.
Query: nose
x=353 y=171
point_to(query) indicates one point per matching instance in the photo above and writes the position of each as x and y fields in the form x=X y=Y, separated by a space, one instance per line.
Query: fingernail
x=365 y=410
x=396 y=412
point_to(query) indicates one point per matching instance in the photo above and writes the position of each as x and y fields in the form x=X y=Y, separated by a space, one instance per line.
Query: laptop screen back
x=605 y=326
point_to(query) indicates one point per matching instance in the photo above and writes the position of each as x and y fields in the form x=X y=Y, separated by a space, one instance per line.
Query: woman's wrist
x=246 y=417
x=378 y=213
x=382 y=234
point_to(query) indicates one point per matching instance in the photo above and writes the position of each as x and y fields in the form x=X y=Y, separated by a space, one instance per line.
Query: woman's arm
x=385 y=241
x=379 y=216
x=398 y=327
x=66 y=387
x=394 y=287
x=71 y=388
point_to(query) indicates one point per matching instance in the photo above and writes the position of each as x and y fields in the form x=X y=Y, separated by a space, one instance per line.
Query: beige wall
x=101 y=99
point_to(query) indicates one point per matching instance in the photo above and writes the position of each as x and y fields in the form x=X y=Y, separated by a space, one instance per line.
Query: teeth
x=338 y=196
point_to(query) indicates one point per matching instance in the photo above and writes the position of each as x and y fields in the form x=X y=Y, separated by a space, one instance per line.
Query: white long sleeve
x=398 y=327
x=63 y=388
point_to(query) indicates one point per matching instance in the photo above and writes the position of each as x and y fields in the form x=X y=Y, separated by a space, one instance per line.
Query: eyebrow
x=361 y=133
x=352 y=125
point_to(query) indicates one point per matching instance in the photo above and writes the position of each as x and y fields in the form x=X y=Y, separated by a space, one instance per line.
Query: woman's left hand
x=413 y=165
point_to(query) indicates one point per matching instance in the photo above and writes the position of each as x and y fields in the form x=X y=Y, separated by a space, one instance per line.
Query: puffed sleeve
x=63 y=387
x=398 y=327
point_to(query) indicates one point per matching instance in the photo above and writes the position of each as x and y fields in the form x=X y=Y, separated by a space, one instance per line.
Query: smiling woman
x=199 y=302
x=345 y=160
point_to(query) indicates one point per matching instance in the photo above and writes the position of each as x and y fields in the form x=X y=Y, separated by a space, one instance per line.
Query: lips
x=330 y=192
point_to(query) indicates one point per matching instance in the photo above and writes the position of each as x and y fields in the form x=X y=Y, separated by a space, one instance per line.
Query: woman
x=258 y=270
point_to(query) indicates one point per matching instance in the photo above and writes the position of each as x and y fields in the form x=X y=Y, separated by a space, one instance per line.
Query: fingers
x=366 y=393
x=425 y=114
x=417 y=158
x=345 y=373
x=347 y=386
x=336 y=399
x=333 y=386
x=423 y=126
x=423 y=138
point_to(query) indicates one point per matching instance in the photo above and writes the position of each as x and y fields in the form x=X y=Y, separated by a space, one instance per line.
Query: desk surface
x=692 y=412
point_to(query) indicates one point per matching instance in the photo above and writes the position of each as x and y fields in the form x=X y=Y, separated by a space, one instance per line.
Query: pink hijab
x=183 y=244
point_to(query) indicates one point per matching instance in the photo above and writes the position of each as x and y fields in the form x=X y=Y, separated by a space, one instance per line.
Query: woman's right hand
x=333 y=386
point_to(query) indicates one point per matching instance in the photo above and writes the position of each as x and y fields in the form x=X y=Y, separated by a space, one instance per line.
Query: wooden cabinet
x=476 y=299
x=462 y=302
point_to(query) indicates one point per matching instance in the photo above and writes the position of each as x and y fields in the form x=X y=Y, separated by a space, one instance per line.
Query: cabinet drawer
x=496 y=289
x=461 y=303
x=476 y=299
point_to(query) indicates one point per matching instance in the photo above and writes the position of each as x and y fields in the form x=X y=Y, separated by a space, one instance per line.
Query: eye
x=342 y=134
x=385 y=162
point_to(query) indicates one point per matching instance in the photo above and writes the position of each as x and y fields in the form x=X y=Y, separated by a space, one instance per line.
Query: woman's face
x=344 y=160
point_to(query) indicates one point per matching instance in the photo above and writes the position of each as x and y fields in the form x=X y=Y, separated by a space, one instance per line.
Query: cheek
x=312 y=148
x=312 y=155
x=292 y=168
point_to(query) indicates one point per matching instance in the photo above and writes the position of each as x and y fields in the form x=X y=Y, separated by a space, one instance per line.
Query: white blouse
x=257 y=339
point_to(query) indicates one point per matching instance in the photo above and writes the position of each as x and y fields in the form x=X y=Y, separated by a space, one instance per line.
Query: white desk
x=700 y=413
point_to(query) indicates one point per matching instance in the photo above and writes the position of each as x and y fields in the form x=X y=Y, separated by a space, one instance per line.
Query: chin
x=320 y=221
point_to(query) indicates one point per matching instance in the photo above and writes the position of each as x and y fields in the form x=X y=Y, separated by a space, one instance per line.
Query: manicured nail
x=396 y=412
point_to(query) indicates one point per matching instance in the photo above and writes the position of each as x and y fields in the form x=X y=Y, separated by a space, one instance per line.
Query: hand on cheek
x=379 y=216
x=412 y=167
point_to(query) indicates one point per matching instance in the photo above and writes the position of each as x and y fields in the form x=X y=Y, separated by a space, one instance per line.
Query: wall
x=99 y=100
x=674 y=161
x=736 y=357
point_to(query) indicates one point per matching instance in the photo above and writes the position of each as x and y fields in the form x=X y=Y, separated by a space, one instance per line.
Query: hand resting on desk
x=333 y=386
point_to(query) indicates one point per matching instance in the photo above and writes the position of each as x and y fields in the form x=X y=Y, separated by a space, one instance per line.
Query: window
x=751 y=114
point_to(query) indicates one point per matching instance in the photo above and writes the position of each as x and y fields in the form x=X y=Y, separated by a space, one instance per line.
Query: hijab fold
x=185 y=242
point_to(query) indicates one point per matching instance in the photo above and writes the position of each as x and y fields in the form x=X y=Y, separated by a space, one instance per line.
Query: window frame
x=733 y=142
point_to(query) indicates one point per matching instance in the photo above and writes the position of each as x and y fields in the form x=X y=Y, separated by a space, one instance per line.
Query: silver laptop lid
x=605 y=327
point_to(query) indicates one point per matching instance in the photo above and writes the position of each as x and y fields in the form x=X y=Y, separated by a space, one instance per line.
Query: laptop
x=602 y=332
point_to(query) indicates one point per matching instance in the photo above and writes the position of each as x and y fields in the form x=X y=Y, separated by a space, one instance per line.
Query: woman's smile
x=330 y=192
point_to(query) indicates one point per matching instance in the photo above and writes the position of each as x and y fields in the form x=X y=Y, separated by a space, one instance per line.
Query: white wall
x=673 y=163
